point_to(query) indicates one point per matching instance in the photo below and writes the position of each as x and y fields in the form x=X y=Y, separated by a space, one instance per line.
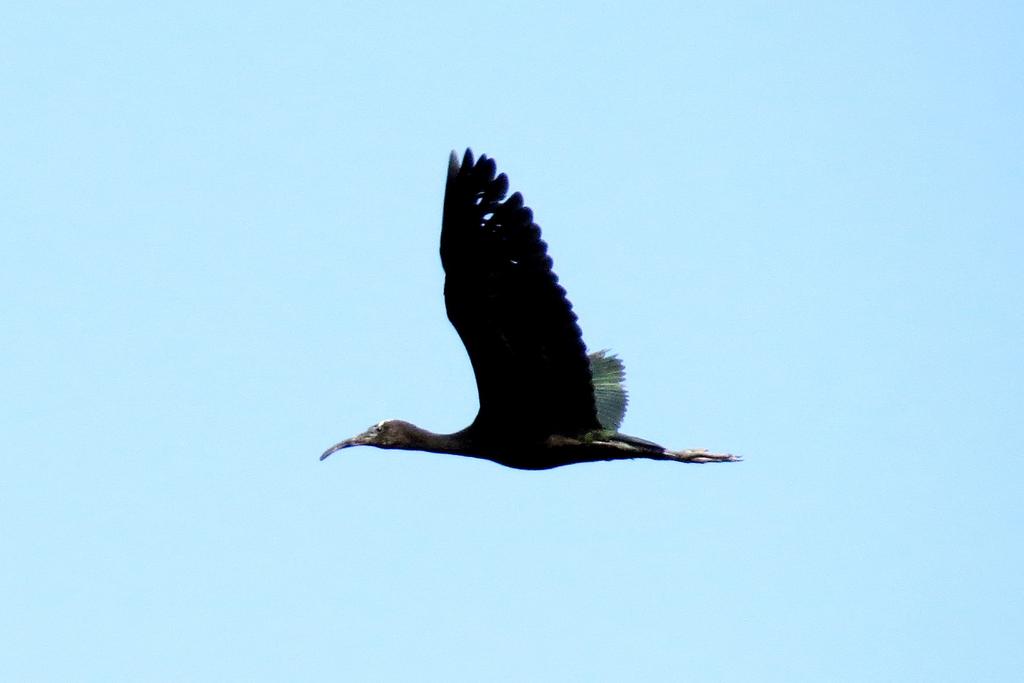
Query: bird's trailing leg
x=700 y=456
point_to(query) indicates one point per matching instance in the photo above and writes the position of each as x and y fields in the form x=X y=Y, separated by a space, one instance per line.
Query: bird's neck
x=419 y=439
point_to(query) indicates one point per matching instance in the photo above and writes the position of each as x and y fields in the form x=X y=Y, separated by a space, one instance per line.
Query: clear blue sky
x=799 y=224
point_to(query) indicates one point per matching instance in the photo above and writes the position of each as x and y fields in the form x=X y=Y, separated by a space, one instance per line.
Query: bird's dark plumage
x=527 y=351
x=543 y=401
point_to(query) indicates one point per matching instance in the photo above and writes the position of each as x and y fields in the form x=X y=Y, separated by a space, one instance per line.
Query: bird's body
x=543 y=401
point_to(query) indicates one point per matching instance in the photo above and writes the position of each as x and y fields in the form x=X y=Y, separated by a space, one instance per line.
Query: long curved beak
x=338 y=446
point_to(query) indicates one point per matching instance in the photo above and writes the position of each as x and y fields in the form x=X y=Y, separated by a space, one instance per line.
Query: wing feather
x=519 y=329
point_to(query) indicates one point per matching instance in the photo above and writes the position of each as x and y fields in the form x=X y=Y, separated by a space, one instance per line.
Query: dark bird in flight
x=543 y=401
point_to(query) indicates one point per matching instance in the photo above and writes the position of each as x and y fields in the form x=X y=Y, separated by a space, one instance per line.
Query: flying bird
x=544 y=402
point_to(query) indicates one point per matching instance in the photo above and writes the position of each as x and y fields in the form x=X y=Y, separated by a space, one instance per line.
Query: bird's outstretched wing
x=527 y=351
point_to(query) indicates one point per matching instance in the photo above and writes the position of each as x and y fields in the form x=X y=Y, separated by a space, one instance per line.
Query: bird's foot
x=701 y=456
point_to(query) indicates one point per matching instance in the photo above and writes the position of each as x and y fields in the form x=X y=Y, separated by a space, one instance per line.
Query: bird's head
x=384 y=434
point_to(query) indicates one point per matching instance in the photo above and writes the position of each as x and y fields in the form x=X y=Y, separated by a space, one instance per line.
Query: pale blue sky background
x=798 y=223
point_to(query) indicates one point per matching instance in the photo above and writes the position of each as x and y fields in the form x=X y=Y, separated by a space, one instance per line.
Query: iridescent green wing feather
x=608 y=376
